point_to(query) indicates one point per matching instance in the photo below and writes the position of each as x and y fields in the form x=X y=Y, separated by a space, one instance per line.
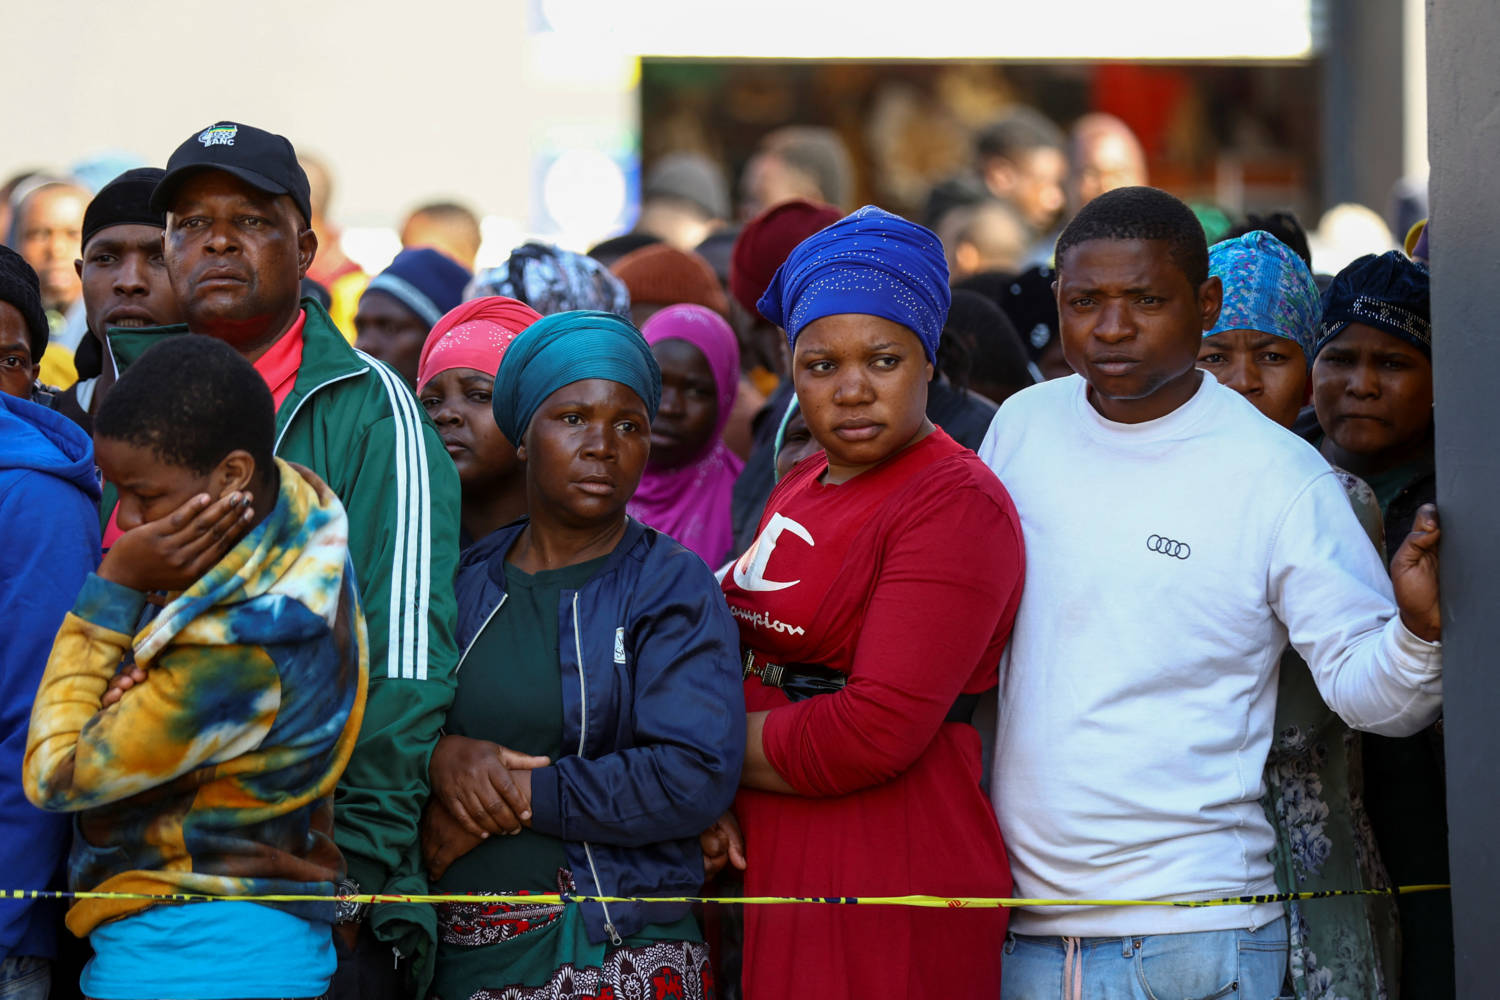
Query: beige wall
x=457 y=98
x=407 y=101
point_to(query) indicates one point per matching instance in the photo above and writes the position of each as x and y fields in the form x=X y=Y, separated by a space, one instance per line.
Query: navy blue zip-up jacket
x=653 y=719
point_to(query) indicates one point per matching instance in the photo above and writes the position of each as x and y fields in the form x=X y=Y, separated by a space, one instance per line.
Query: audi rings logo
x=1169 y=547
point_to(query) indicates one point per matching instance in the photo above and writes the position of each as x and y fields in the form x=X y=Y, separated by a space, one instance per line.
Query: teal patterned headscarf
x=1266 y=288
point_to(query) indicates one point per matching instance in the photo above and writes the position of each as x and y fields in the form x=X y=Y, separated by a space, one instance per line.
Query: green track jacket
x=353 y=421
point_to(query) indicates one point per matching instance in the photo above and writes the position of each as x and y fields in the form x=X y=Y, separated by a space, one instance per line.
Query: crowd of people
x=1058 y=548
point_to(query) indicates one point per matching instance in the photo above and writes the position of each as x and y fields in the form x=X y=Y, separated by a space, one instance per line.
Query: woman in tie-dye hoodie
x=213 y=772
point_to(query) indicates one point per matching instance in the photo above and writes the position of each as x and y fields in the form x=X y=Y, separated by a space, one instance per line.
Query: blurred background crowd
x=560 y=119
x=685 y=152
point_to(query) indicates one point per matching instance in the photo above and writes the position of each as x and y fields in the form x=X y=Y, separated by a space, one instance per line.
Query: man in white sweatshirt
x=1176 y=541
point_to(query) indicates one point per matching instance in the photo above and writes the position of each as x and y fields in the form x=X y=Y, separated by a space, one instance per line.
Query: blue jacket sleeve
x=688 y=717
x=53 y=545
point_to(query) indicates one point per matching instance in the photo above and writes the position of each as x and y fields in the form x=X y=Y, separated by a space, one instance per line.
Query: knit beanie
x=766 y=242
x=425 y=281
x=663 y=275
x=20 y=287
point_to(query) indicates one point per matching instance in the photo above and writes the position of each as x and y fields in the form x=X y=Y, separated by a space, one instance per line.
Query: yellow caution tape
x=554 y=898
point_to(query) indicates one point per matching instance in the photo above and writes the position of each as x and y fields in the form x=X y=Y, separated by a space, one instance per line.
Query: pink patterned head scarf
x=474 y=335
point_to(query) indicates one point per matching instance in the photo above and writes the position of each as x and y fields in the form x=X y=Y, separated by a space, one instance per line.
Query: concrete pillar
x=1464 y=119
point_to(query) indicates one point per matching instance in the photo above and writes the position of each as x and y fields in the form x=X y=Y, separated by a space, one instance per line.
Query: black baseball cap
x=264 y=160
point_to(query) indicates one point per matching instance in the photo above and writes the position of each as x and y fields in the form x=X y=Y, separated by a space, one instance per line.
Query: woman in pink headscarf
x=685 y=492
x=455 y=378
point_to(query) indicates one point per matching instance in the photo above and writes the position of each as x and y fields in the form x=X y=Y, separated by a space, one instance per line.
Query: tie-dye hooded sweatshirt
x=216 y=774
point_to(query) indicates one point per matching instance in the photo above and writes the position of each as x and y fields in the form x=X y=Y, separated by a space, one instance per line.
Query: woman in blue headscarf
x=872 y=610
x=599 y=723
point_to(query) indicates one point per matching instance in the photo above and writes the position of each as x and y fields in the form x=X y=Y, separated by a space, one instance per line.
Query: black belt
x=801 y=681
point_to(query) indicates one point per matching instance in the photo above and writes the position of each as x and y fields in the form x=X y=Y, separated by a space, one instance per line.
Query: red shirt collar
x=278 y=366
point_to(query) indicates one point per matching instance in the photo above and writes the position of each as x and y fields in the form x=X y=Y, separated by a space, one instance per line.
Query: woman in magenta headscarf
x=455 y=380
x=685 y=492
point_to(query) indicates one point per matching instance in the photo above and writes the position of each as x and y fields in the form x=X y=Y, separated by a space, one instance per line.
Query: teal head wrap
x=569 y=347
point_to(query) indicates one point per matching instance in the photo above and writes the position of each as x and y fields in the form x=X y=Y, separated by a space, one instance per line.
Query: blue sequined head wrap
x=873 y=263
x=569 y=347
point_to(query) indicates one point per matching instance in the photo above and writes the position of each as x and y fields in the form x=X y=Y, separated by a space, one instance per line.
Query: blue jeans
x=1244 y=964
x=25 y=977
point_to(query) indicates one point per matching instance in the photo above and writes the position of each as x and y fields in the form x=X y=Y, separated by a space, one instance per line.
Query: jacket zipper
x=487 y=619
x=583 y=728
x=315 y=390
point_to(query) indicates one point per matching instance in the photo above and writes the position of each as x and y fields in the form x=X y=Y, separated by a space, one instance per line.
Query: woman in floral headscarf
x=1262 y=347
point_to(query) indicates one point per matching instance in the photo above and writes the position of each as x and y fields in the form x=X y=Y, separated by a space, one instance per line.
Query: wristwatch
x=348 y=911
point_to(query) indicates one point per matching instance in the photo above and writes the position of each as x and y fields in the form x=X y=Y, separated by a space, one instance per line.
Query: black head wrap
x=1031 y=306
x=1386 y=291
x=126 y=200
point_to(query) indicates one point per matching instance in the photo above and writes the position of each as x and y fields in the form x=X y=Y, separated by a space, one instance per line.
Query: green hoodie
x=351 y=420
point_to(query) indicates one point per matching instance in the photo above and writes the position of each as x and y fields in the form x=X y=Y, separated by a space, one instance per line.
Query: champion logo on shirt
x=760 y=619
x=750 y=571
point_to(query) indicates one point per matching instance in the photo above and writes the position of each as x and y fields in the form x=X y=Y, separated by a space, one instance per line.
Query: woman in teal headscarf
x=599 y=723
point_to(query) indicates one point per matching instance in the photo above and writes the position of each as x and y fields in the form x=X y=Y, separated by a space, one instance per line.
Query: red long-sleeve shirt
x=905 y=578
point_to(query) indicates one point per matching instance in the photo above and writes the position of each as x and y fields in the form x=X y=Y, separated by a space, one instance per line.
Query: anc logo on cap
x=218 y=135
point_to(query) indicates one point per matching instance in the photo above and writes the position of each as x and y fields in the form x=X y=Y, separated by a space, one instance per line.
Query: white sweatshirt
x=1167 y=564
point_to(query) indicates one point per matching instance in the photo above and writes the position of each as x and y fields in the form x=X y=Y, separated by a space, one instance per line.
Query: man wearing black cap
x=237 y=244
x=125 y=283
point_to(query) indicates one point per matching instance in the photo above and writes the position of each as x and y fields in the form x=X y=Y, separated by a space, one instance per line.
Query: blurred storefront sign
x=942 y=29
